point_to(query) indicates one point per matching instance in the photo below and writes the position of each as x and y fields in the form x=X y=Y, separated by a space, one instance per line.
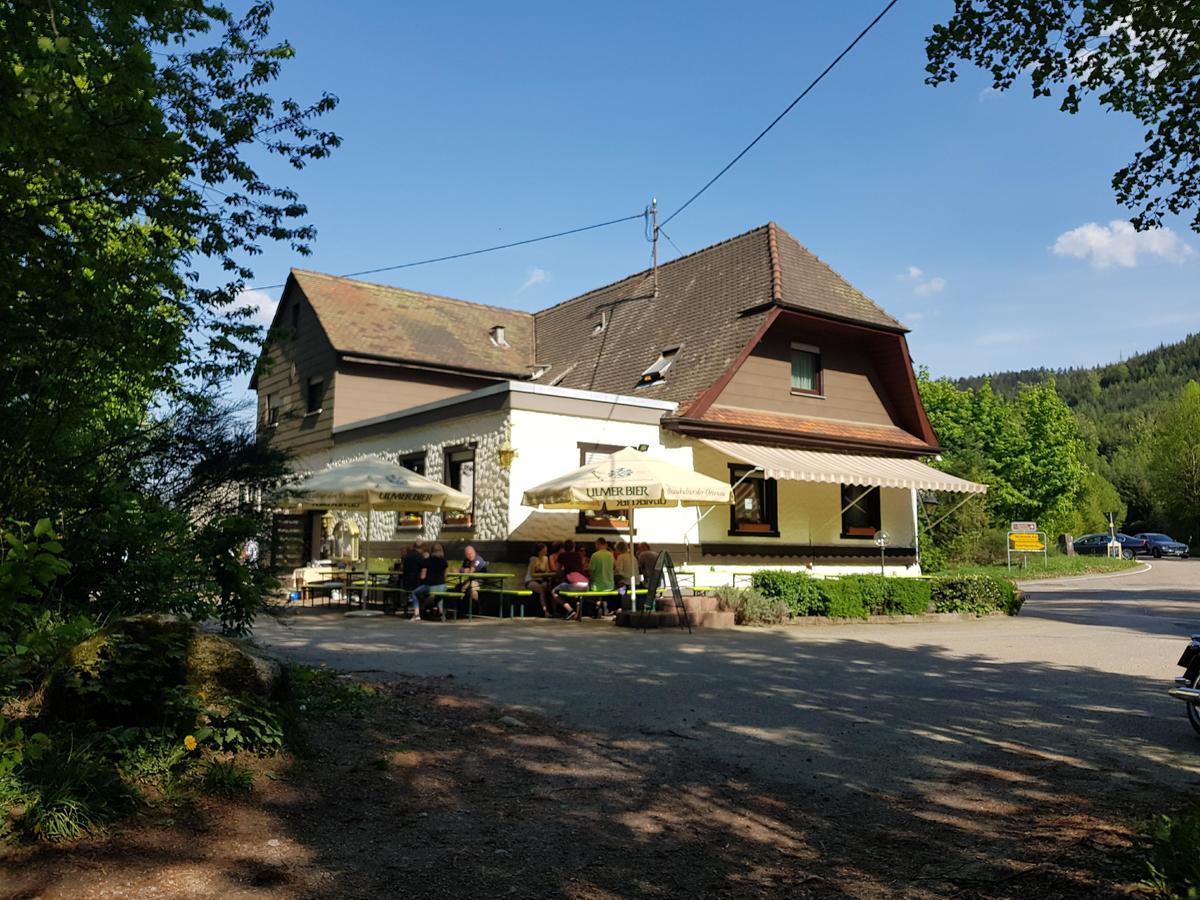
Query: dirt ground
x=433 y=795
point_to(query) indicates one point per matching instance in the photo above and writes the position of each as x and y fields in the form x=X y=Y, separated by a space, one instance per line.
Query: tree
x=1175 y=459
x=125 y=136
x=131 y=137
x=1138 y=58
x=1049 y=472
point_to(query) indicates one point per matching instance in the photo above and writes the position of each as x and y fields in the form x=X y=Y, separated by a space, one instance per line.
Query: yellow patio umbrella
x=629 y=479
x=370 y=484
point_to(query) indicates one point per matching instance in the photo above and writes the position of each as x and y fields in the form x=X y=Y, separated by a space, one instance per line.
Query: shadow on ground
x=434 y=797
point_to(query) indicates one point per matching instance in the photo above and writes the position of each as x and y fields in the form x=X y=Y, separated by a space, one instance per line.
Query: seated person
x=600 y=570
x=472 y=562
x=571 y=569
x=537 y=576
x=433 y=580
x=414 y=559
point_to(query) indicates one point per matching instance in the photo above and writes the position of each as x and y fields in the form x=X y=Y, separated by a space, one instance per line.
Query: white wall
x=548 y=446
x=486 y=430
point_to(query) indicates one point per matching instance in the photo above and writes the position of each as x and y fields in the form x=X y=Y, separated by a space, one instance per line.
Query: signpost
x=1024 y=538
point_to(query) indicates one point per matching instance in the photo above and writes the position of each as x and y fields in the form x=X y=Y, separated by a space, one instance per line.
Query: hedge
x=859 y=596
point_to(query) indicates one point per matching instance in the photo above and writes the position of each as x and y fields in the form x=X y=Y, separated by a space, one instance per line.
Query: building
x=750 y=360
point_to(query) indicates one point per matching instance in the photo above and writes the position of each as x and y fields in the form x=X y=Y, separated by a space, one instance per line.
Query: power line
x=672 y=243
x=829 y=68
x=436 y=259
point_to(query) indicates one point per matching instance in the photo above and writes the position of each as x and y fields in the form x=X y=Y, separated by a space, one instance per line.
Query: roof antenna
x=654 y=241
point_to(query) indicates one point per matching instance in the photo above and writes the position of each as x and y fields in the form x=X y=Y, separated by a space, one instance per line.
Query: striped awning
x=842 y=468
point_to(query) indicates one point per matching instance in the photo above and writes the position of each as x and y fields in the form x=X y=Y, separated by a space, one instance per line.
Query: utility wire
x=829 y=68
x=425 y=262
x=672 y=243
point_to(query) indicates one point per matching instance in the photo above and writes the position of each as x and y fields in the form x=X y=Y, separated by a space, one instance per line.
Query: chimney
x=497 y=333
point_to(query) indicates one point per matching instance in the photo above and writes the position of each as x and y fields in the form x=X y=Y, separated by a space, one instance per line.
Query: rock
x=511 y=722
x=130 y=673
x=219 y=666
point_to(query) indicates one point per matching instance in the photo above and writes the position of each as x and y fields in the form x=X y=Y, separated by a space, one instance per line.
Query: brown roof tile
x=377 y=320
x=836 y=429
x=710 y=304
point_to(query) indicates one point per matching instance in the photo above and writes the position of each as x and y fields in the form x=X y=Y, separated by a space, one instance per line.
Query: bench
x=512 y=596
x=442 y=596
x=582 y=597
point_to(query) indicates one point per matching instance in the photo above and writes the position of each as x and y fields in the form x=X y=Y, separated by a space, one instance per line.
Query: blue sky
x=467 y=125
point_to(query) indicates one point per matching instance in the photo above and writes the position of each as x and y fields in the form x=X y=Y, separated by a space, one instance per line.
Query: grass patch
x=316 y=689
x=1056 y=565
x=225 y=778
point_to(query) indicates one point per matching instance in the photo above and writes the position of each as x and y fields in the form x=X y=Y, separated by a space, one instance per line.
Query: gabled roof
x=375 y=320
x=710 y=304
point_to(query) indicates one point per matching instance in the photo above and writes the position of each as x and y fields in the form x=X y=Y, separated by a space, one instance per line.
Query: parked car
x=1097 y=545
x=1163 y=545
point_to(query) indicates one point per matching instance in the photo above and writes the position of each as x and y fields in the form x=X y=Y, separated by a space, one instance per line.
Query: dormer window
x=602 y=325
x=295 y=317
x=497 y=335
x=658 y=369
x=806 y=370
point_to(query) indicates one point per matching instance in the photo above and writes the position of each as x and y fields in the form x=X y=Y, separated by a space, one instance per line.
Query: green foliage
x=1133 y=58
x=749 y=607
x=56 y=789
x=132 y=135
x=1173 y=854
x=801 y=592
x=316 y=689
x=225 y=778
x=130 y=673
x=1027 y=448
x=247 y=723
x=978 y=595
x=1175 y=458
x=851 y=596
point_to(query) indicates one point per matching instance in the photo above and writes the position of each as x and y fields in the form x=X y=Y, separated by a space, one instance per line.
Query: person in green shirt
x=600 y=572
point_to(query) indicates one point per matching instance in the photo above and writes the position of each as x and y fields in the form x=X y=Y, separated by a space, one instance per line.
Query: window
x=860 y=511
x=601 y=326
x=658 y=369
x=755 y=508
x=315 y=395
x=603 y=519
x=806 y=369
x=460 y=475
x=271 y=410
x=411 y=521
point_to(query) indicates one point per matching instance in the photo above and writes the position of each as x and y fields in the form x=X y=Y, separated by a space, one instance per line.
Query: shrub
x=976 y=594
x=798 y=590
x=909 y=596
x=752 y=608
x=844 y=599
x=248 y=723
x=1173 y=851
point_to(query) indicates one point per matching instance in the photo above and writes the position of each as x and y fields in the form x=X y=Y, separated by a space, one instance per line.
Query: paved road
x=1072 y=690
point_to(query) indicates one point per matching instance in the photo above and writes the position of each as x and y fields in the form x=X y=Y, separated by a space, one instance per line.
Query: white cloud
x=536 y=276
x=263 y=306
x=988 y=93
x=934 y=285
x=1119 y=244
x=914 y=316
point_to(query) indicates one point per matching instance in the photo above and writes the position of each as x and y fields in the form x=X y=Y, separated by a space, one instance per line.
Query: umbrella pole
x=633 y=550
x=367 y=574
